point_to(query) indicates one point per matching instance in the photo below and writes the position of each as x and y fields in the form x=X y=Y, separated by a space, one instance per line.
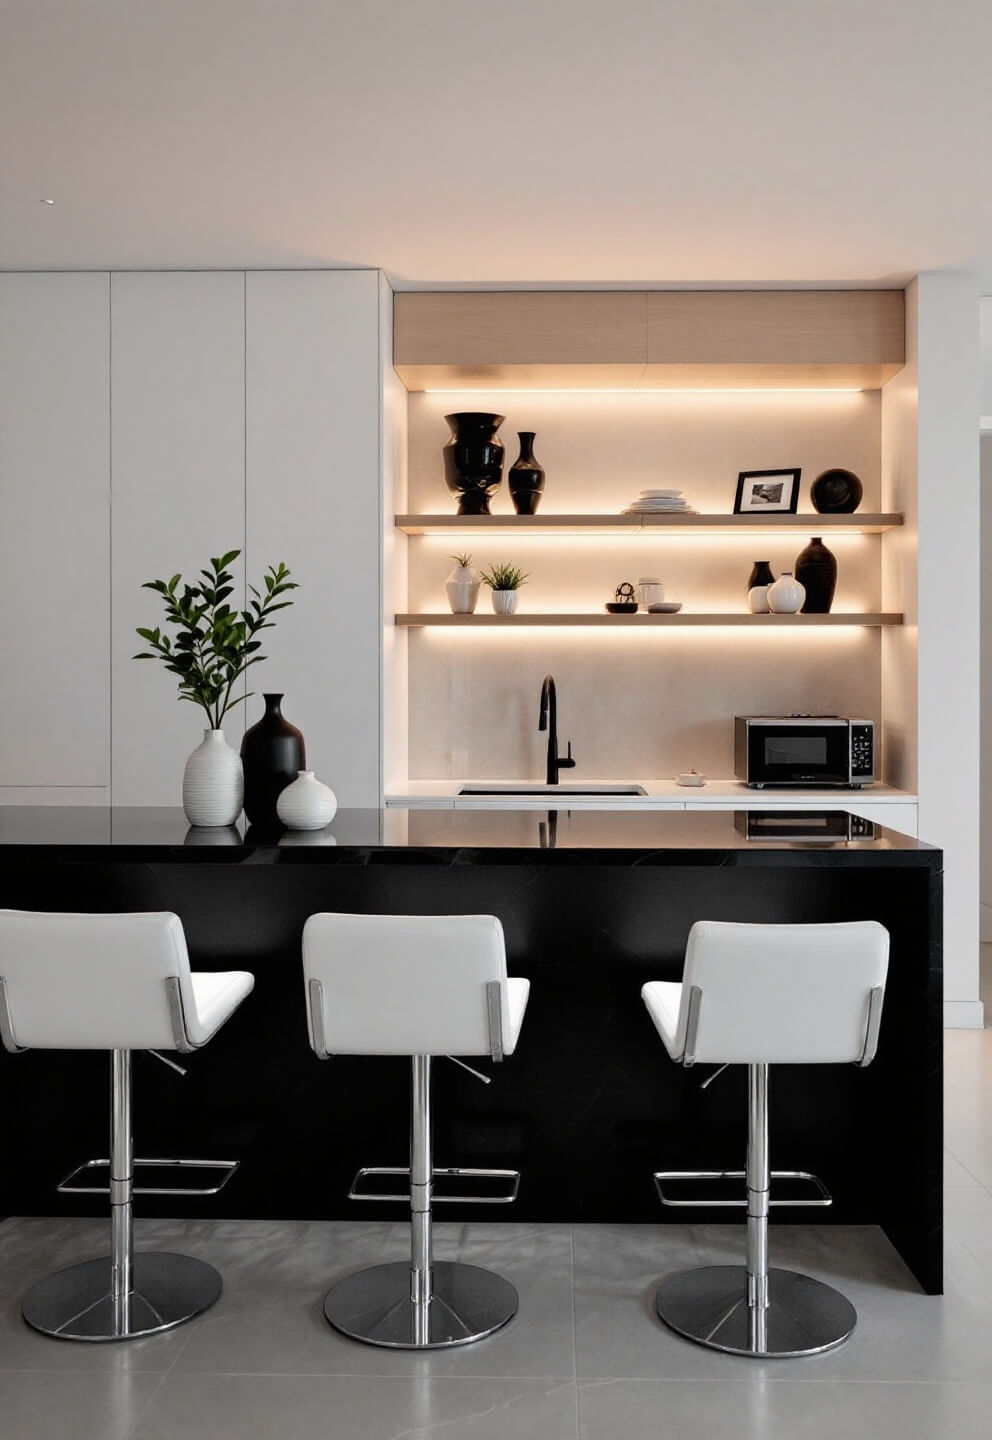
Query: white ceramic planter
x=213 y=782
x=306 y=804
x=757 y=599
x=505 y=601
x=786 y=596
x=462 y=589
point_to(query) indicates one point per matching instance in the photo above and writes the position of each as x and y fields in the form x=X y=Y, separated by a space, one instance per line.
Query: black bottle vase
x=273 y=753
x=473 y=460
x=761 y=574
x=526 y=477
x=816 y=568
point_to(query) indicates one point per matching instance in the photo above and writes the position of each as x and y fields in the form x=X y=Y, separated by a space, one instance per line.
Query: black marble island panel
x=593 y=904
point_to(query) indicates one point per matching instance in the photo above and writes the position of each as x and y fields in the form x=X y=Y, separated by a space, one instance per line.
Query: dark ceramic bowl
x=836 y=492
x=622 y=607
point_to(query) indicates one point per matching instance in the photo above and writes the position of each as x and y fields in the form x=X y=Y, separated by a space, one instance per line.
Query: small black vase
x=473 y=460
x=816 y=568
x=761 y=574
x=836 y=492
x=273 y=753
x=526 y=477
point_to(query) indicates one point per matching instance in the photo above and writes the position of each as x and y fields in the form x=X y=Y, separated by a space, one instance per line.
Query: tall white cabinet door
x=54 y=534
x=178 y=496
x=312 y=434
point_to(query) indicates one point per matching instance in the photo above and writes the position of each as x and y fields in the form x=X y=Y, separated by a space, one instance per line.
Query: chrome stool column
x=445 y=978
x=90 y=982
x=753 y=994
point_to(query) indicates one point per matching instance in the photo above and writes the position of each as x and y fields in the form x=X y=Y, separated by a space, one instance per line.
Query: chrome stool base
x=709 y=1305
x=466 y=1304
x=76 y=1304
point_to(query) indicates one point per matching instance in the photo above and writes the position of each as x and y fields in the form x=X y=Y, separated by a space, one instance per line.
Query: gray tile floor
x=584 y=1360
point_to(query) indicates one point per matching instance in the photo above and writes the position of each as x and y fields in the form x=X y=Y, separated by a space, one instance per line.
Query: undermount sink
x=525 y=789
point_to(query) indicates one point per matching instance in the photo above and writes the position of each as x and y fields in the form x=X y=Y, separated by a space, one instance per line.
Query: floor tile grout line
x=132 y=1430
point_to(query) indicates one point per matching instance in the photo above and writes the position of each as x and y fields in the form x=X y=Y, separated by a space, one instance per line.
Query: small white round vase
x=462 y=589
x=306 y=804
x=213 y=782
x=505 y=601
x=757 y=599
x=786 y=596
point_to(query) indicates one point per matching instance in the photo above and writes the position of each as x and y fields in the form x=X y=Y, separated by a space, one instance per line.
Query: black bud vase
x=473 y=460
x=273 y=753
x=836 y=492
x=816 y=568
x=761 y=574
x=526 y=477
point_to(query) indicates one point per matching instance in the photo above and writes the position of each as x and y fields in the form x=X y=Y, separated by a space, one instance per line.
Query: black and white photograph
x=767 y=492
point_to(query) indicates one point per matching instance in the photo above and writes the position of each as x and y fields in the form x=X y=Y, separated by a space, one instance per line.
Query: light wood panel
x=866 y=524
x=776 y=327
x=646 y=621
x=55 y=533
x=633 y=340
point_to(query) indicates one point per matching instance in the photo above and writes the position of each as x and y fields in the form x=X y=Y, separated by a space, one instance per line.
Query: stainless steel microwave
x=804 y=750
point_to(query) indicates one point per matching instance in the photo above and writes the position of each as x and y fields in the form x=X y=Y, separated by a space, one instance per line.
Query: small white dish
x=691 y=778
x=660 y=494
x=666 y=607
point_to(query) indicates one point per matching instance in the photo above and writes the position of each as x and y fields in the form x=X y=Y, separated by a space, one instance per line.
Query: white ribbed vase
x=213 y=782
x=505 y=601
x=306 y=804
x=786 y=596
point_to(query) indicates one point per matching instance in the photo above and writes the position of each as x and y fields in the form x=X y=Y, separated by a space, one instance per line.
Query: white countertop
x=714 y=792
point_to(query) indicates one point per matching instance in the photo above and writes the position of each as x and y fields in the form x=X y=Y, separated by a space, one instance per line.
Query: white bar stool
x=117 y=983
x=759 y=995
x=420 y=986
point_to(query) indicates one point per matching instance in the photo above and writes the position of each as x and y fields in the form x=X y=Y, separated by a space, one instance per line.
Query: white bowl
x=666 y=607
x=690 y=779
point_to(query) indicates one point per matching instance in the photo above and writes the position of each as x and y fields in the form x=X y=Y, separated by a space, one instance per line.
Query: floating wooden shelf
x=647 y=621
x=811 y=523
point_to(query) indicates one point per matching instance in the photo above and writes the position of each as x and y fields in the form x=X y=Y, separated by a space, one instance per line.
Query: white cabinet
x=312 y=500
x=178 y=427
x=54 y=537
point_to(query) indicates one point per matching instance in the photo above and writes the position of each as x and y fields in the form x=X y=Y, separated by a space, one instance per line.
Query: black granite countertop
x=463 y=837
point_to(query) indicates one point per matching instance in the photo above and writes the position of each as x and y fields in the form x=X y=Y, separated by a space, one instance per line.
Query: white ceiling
x=541 y=141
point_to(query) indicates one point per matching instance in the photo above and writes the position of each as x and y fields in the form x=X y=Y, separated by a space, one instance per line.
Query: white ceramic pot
x=306 y=804
x=505 y=601
x=213 y=782
x=786 y=596
x=462 y=589
x=757 y=599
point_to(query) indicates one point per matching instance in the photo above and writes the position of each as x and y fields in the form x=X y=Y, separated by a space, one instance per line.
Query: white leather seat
x=758 y=995
x=410 y=984
x=117 y=983
x=417 y=985
x=98 y=982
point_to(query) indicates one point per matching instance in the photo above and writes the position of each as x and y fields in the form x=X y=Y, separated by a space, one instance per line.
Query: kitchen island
x=593 y=903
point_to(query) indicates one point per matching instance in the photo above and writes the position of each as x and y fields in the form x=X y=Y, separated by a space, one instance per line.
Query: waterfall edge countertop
x=593 y=904
x=476 y=836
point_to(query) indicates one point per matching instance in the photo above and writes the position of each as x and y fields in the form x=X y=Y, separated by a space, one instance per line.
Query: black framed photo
x=767 y=492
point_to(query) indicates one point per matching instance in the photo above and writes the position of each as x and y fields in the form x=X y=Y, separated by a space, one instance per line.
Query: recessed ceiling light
x=47 y=200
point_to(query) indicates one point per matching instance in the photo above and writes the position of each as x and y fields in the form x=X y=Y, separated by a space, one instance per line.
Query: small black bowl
x=622 y=607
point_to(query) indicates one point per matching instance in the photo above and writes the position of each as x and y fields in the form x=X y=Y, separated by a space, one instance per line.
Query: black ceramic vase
x=836 y=492
x=526 y=477
x=273 y=753
x=473 y=460
x=816 y=568
x=761 y=574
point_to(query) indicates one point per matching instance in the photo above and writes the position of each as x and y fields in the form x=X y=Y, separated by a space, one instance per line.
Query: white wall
x=985 y=881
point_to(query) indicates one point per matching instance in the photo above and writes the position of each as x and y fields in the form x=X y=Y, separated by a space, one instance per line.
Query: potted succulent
x=211 y=646
x=462 y=586
x=504 y=581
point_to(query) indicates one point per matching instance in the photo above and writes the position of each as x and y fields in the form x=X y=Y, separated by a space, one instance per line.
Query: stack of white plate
x=659 y=502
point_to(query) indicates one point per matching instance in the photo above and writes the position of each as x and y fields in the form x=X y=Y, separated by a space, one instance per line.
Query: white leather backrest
x=783 y=994
x=92 y=982
x=405 y=984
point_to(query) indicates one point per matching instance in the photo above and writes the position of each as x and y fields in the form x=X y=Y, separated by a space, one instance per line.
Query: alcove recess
x=626 y=390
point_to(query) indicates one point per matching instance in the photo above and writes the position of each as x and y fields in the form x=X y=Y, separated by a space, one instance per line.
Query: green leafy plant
x=504 y=577
x=464 y=560
x=212 y=643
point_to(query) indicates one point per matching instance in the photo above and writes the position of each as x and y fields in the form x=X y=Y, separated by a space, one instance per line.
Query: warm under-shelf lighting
x=645 y=390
